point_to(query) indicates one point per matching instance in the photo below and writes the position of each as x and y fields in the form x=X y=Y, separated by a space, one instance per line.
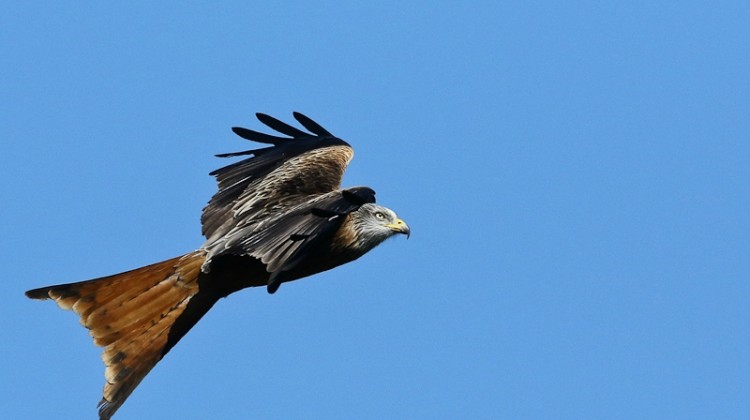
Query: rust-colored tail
x=136 y=316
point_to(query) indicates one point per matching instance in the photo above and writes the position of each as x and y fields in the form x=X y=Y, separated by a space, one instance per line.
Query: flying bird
x=279 y=215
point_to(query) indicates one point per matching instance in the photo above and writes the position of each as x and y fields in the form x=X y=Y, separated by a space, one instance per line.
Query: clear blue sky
x=576 y=176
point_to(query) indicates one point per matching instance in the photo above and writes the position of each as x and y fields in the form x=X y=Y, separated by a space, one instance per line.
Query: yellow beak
x=399 y=226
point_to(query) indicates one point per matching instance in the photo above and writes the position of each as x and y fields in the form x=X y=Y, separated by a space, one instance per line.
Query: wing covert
x=303 y=233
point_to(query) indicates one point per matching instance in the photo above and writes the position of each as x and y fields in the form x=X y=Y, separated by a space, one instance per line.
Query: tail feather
x=131 y=315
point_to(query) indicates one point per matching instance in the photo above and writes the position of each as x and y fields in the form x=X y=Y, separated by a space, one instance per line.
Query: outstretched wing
x=275 y=179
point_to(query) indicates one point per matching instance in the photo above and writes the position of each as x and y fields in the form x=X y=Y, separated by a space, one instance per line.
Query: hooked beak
x=399 y=226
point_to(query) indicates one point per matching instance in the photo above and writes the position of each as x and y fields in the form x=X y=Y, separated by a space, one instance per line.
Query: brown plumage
x=278 y=216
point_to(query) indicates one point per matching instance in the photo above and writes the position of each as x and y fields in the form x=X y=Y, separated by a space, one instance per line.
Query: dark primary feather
x=311 y=125
x=253 y=135
x=281 y=126
x=243 y=153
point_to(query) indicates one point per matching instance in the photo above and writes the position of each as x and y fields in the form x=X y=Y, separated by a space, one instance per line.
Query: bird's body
x=278 y=216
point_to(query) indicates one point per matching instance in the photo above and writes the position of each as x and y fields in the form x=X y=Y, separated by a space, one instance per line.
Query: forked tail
x=136 y=316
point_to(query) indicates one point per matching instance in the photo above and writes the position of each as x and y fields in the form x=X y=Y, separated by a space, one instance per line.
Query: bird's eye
x=379 y=216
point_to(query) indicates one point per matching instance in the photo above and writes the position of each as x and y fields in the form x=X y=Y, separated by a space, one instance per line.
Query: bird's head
x=374 y=224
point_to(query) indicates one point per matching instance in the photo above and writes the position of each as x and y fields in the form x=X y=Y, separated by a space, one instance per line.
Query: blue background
x=575 y=174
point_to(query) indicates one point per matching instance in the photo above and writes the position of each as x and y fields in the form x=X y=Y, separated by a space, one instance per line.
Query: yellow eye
x=379 y=216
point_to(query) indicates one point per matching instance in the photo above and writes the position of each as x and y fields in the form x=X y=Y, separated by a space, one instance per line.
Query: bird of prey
x=279 y=215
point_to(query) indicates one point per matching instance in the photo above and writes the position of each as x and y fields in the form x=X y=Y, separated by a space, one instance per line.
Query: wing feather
x=311 y=125
x=275 y=178
x=281 y=126
x=304 y=233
